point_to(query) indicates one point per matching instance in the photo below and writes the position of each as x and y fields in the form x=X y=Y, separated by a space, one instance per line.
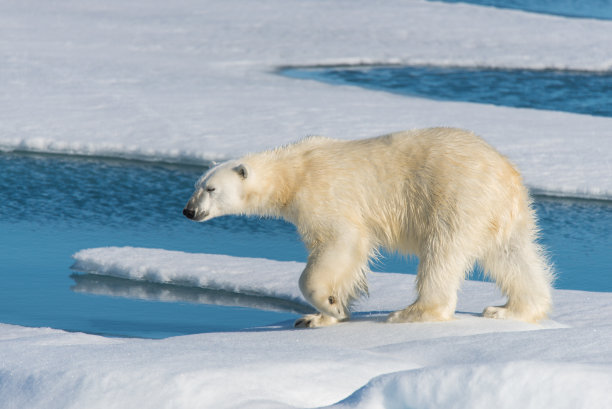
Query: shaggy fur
x=441 y=194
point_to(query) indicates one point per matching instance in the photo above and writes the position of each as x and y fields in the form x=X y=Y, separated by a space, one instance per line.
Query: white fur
x=442 y=194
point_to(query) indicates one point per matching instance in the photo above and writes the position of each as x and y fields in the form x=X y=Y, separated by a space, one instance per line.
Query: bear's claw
x=302 y=323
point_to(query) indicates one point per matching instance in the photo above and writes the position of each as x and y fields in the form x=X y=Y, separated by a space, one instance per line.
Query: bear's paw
x=316 y=320
x=418 y=313
x=496 y=312
x=532 y=315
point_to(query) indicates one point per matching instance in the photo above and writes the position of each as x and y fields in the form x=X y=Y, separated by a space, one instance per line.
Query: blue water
x=53 y=206
x=599 y=9
x=569 y=91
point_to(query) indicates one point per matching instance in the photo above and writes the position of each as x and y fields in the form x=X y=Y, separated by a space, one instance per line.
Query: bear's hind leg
x=524 y=275
x=438 y=280
x=334 y=276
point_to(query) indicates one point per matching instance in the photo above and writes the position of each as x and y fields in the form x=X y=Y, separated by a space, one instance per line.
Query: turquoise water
x=54 y=206
x=569 y=91
x=599 y=9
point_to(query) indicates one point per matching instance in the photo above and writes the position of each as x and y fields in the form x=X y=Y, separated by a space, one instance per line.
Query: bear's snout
x=189 y=213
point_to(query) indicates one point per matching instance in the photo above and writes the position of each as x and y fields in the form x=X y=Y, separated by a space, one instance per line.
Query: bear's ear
x=242 y=171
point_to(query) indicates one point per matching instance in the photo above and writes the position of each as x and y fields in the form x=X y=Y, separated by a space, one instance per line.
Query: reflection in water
x=120 y=287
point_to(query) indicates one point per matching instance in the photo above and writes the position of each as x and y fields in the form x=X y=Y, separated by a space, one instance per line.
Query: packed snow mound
x=500 y=385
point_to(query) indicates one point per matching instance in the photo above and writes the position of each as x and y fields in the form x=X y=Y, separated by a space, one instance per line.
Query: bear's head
x=221 y=191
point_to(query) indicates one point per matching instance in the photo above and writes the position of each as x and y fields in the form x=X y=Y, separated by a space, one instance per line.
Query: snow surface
x=191 y=81
x=471 y=362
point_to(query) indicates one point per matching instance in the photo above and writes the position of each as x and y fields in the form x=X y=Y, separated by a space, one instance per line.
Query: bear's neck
x=282 y=176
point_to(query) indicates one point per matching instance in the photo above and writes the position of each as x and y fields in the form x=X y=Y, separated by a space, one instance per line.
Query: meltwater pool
x=54 y=206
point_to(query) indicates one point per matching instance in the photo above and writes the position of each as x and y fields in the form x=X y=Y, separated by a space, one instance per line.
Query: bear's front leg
x=316 y=320
x=333 y=277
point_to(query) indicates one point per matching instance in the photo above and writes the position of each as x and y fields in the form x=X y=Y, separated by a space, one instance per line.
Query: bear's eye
x=210 y=189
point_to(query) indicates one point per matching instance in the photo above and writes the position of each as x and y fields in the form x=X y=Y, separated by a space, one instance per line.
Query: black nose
x=190 y=214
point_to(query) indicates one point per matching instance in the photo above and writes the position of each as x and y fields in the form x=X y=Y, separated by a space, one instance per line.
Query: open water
x=53 y=206
x=569 y=91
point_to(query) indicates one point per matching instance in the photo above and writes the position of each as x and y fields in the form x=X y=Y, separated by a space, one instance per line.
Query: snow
x=470 y=362
x=192 y=81
x=501 y=385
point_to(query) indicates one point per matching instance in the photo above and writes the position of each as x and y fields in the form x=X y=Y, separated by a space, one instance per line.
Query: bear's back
x=432 y=153
x=406 y=181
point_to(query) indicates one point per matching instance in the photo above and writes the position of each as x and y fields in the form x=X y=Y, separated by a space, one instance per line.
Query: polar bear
x=441 y=194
